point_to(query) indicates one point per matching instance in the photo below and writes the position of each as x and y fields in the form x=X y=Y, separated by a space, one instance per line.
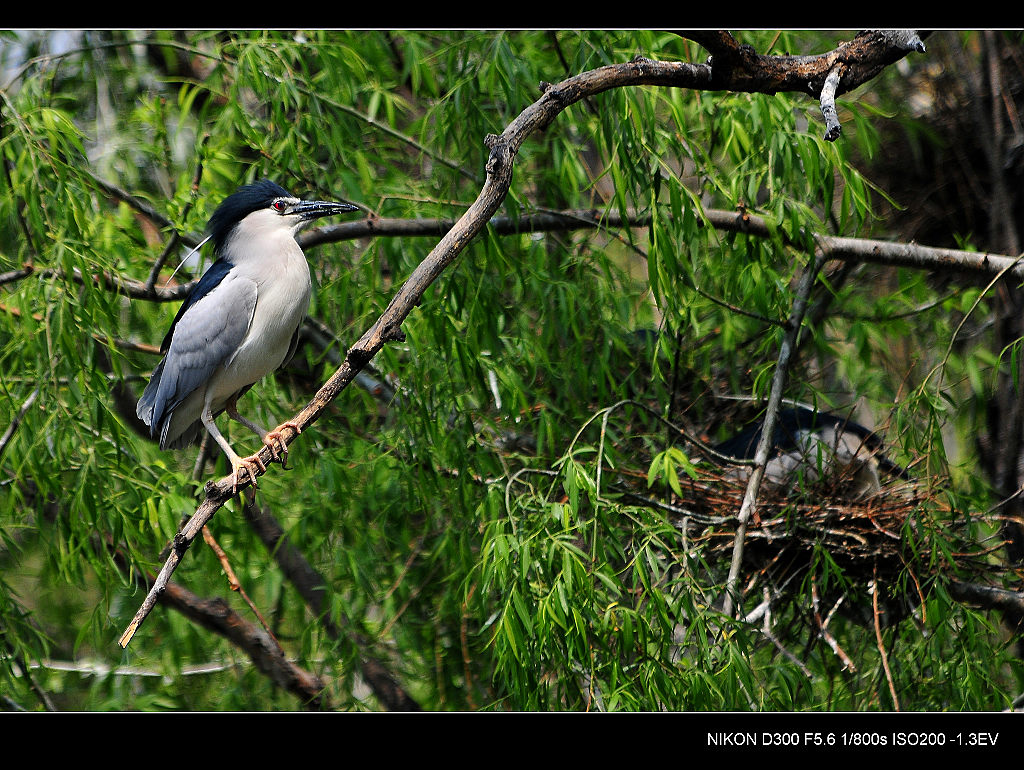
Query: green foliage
x=474 y=533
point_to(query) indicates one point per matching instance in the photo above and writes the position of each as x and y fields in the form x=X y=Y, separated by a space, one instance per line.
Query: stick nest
x=866 y=536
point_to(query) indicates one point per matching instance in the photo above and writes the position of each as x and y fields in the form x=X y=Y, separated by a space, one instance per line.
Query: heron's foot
x=246 y=465
x=275 y=440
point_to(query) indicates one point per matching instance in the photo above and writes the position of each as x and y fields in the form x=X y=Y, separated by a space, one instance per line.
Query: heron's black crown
x=241 y=203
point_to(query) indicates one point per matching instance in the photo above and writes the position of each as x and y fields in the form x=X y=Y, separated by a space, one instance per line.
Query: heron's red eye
x=279 y=206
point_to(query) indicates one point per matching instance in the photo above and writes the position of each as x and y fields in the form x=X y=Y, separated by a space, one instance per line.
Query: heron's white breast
x=281 y=274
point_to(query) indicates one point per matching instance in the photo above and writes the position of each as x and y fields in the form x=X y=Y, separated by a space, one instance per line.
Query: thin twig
x=789 y=344
x=9 y=433
x=828 y=104
x=172 y=243
x=825 y=634
x=881 y=645
x=235 y=584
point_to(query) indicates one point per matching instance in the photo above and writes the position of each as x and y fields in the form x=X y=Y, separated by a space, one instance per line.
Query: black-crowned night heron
x=809 y=444
x=238 y=324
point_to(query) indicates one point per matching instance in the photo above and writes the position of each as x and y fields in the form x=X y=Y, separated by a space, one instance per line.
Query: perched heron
x=815 y=443
x=238 y=324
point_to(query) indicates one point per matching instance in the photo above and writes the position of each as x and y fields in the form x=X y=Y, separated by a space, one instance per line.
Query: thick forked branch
x=862 y=55
x=736 y=67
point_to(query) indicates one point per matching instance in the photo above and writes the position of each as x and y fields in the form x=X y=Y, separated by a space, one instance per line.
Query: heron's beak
x=310 y=210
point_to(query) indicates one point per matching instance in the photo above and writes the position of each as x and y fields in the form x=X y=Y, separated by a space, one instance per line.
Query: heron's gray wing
x=206 y=334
